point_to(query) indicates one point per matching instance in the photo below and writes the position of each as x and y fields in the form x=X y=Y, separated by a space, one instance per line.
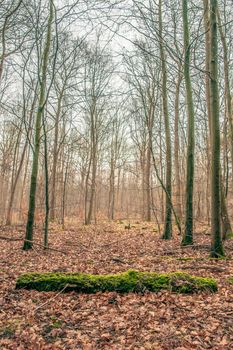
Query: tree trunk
x=111 y=200
x=176 y=151
x=226 y=226
x=167 y=233
x=147 y=183
x=46 y=223
x=93 y=188
x=227 y=86
x=216 y=243
x=188 y=230
x=55 y=158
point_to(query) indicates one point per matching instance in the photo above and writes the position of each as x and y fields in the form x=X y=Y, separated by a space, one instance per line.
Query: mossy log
x=129 y=281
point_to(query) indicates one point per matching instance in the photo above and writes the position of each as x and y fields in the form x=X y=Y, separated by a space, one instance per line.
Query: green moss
x=129 y=281
x=7 y=332
x=164 y=257
x=56 y=322
x=220 y=258
x=230 y=279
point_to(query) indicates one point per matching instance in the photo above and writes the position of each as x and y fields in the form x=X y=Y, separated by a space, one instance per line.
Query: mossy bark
x=129 y=281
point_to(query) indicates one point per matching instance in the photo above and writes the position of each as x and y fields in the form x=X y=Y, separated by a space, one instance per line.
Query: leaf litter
x=39 y=320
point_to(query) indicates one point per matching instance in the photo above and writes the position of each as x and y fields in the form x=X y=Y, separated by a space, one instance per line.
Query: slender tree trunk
x=46 y=223
x=15 y=182
x=176 y=150
x=162 y=192
x=21 y=214
x=87 y=192
x=64 y=193
x=226 y=226
x=55 y=158
x=93 y=167
x=147 y=183
x=142 y=164
x=216 y=244
x=167 y=233
x=150 y=123
x=14 y=176
x=111 y=201
x=93 y=188
x=188 y=230
x=32 y=200
x=227 y=85
x=17 y=176
x=207 y=93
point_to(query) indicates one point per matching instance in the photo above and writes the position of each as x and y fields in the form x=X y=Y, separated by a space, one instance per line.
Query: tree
x=69 y=61
x=167 y=233
x=142 y=76
x=9 y=14
x=216 y=243
x=227 y=91
x=188 y=230
x=116 y=156
x=28 y=243
x=96 y=88
x=29 y=99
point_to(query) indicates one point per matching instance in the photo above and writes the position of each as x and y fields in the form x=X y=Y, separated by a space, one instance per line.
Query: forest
x=116 y=174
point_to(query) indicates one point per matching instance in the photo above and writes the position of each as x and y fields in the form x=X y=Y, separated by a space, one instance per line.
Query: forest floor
x=35 y=320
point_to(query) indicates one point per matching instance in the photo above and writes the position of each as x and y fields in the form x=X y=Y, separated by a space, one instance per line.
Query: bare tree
x=28 y=243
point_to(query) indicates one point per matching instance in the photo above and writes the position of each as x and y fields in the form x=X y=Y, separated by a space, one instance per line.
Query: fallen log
x=129 y=281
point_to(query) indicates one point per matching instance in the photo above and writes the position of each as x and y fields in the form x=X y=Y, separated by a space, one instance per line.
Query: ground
x=35 y=320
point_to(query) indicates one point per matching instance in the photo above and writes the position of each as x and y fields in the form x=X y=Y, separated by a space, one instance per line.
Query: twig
x=47 y=248
x=27 y=240
x=10 y=238
x=48 y=301
x=118 y=260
